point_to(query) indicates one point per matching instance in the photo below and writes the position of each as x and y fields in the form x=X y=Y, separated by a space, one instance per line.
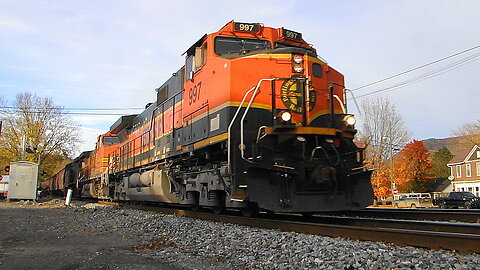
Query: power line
x=75 y=109
x=451 y=67
x=66 y=113
x=416 y=68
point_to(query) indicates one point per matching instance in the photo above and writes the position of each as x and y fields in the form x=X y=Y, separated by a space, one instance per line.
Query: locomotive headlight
x=285 y=116
x=297 y=58
x=298 y=68
x=297 y=63
x=350 y=120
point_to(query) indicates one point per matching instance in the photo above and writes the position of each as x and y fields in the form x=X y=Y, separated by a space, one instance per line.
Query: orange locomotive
x=253 y=120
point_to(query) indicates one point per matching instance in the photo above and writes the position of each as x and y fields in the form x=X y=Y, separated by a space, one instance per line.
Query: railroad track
x=462 y=237
x=462 y=215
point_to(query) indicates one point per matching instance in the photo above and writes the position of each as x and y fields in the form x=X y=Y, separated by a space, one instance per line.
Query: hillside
x=451 y=143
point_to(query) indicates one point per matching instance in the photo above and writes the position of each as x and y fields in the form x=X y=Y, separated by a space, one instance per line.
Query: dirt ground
x=44 y=235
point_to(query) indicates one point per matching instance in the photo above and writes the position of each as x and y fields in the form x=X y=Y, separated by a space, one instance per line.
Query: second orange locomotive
x=253 y=120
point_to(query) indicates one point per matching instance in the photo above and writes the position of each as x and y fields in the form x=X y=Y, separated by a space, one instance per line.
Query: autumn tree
x=412 y=168
x=51 y=135
x=470 y=134
x=381 y=182
x=439 y=163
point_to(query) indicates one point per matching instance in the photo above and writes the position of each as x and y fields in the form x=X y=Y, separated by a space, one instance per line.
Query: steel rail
x=464 y=228
x=425 y=237
x=469 y=215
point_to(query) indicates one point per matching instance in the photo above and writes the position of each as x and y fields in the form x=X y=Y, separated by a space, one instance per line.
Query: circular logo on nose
x=292 y=96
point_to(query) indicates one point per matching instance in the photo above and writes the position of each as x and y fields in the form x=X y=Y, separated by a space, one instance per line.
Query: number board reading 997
x=247 y=27
x=291 y=34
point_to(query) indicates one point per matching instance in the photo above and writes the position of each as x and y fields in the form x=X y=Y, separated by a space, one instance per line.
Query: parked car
x=413 y=200
x=458 y=199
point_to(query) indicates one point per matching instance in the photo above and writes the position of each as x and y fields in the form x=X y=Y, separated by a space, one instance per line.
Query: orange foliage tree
x=381 y=182
x=412 y=168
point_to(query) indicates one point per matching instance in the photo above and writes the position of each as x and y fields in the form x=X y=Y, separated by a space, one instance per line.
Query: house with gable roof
x=465 y=170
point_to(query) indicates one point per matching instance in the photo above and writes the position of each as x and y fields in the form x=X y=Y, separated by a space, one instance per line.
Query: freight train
x=255 y=119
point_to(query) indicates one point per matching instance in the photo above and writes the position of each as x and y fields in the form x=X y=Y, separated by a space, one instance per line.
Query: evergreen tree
x=439 y=163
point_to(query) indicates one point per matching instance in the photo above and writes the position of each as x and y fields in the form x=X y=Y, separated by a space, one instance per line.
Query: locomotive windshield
x=286 y=45
x=226 y=45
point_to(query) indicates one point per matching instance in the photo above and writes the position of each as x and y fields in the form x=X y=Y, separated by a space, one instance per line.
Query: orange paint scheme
x=98 y=162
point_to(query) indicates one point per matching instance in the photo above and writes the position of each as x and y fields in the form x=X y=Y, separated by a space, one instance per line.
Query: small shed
x=23 y=181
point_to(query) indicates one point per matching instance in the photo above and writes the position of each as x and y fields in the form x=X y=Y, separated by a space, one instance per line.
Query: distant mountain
x=433 y=145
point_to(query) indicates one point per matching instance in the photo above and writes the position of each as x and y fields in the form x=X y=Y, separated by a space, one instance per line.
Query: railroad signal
x=395 y=191
x=7 y=169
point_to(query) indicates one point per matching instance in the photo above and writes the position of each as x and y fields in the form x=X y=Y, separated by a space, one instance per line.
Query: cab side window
x=200 y=57
x=189 y=67
x=196 y=61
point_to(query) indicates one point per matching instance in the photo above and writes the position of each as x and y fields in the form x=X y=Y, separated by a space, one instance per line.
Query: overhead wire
x=416 y=68
x=448 y=68
x=76 y=109
x=66 y=111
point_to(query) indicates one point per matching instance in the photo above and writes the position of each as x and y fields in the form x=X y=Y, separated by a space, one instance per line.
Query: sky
x=114 y=54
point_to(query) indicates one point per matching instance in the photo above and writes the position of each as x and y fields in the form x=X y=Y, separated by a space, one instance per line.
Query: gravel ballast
x=95 y=236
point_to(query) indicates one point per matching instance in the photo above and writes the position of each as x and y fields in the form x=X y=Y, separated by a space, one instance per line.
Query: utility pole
x=24 y=146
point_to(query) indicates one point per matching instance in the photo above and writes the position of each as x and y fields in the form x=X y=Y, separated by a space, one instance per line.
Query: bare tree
x=50 y=133
x=383 y=130
x=470 y=134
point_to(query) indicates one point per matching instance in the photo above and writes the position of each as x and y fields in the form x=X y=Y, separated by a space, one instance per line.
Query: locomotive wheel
x=270 y=213
x=220 y=196
x=196 y=207
x=468 y=205
x=250 y=211
x=218 y=210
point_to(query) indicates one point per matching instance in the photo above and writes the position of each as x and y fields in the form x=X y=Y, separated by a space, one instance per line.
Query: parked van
x=412 y=200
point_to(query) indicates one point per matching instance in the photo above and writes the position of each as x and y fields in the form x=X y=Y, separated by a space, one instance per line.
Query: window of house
x=459 y=171
x=478 y=169
x=468 y=168
x=478 y=153
x=470 y=189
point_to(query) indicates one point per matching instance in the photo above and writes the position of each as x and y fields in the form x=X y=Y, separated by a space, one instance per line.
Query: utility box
x=23 y=181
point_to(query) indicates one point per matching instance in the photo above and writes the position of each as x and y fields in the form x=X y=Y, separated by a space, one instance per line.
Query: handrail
x=151 y=138
x=242 y=145
x=230 y=127
x=258 y=133
x=341 y=104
